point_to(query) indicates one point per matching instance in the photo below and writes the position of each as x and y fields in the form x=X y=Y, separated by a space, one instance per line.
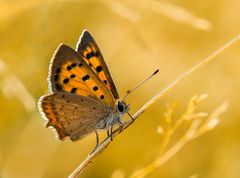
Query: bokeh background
x=136 y=37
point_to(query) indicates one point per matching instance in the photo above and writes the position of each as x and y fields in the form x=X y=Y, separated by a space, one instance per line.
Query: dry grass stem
x=197 y=127
x=171 y=11
x=177 y=146
x=188 y=115
x=123 y=11
x=11 y=85
x=176 y=14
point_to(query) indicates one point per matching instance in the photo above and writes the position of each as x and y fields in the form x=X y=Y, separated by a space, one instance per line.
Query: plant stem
x=105 y=143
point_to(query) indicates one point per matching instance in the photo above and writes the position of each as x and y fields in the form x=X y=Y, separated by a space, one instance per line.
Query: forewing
x=71 y=115
x=88 y=48
x=70 y=73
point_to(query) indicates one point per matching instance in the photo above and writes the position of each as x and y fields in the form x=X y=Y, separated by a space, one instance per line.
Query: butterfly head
x=122 y=107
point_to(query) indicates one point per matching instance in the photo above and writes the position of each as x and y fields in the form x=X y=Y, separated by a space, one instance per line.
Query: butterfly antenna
x=130 y=91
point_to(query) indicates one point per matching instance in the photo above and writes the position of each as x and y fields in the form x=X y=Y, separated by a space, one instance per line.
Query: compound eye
x=120 y=107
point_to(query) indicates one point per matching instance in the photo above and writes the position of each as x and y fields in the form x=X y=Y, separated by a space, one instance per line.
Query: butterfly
x=83 y=97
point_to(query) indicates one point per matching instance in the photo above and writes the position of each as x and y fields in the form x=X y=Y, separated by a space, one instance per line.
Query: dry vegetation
x=137 y=36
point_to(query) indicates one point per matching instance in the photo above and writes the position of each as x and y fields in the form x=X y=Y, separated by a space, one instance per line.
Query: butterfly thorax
x=114 y=117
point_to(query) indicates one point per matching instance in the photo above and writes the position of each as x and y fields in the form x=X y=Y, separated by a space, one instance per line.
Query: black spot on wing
x=102 y=97
x=88 y=56
x=73 y=65
x=99 y=69
x=92 y=54
x=72 y=76
x=95 y=88
x=86 y=77
x=66 y=80
x=73 y=90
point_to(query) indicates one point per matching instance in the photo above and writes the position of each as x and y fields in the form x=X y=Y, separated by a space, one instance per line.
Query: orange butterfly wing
x=88 y=48
x=69 y=72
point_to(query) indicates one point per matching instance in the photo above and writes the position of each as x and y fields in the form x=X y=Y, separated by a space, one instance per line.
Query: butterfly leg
x=120 y=125
x=111 y=131
x=108 y=133
x=131 y=116
x=97 y=139
x=97 y=142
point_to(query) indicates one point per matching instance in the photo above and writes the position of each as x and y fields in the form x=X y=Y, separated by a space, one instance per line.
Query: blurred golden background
x=136 y=37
